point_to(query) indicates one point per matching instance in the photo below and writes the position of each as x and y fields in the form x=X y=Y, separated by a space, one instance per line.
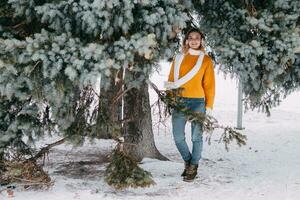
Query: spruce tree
x=53 y=53
x=257 y=42
x=72 y=43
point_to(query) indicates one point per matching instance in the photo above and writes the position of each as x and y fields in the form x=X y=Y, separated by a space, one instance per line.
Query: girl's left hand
x=208 y=111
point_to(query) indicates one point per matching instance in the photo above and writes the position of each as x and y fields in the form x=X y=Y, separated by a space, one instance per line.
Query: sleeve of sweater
x=209 y=84
x=171 y=74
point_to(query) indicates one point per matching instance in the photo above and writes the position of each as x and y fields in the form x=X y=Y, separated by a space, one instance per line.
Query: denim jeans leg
x=178 y=123
x=197 y=141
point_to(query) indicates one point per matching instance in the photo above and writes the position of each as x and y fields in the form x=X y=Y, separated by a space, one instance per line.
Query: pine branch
x=25 y=173
x=46 y=149
x=19 y=24
x=209 y=123
x=123 y=170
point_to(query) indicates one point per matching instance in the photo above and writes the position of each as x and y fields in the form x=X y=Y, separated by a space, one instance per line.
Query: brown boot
x=186 y=165
x=191 y=173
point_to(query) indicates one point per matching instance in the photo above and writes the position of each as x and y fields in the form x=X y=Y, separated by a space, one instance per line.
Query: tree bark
x=107 y=96
x=138 y=133
x=1 y=162
x=139 y=139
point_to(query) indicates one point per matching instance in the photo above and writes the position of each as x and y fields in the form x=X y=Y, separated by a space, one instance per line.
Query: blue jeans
x=178 y=124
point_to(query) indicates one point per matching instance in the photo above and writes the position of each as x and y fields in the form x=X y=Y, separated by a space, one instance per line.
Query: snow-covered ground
x=268 y=167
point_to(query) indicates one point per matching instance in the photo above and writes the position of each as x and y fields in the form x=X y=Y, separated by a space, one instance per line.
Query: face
x=194 y=40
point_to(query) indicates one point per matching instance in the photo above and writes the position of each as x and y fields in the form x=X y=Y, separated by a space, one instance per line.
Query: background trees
x=258 y=42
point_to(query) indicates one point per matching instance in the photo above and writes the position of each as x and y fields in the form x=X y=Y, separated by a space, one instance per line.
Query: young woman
x=192 y=72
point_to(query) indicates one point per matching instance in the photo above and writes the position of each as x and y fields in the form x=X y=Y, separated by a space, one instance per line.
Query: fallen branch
x=123 y=170
x=209 y=123
x=25 y=173
x=45 y=150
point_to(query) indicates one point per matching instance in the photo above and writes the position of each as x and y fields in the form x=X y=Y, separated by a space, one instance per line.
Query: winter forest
x=85 y=113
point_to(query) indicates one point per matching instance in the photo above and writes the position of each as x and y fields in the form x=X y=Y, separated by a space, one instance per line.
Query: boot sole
x=188 y=180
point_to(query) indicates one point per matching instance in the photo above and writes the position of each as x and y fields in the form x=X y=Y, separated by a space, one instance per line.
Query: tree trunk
x=107 y=96
x=138 y=134
x=1 y=162
x=139 y=140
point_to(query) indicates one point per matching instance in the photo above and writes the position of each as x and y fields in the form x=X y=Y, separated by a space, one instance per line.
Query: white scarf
x=178 y=60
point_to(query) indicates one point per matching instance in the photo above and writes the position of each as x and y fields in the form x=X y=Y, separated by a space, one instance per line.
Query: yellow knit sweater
x=202 y=85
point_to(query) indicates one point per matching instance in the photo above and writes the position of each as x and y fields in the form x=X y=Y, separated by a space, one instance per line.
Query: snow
x=266 y=168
